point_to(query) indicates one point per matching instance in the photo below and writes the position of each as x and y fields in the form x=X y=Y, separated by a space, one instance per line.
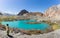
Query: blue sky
x=14 y=6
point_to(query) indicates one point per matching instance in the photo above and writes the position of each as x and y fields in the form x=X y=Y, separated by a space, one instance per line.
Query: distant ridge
x=6 y=14
x=26 y=13
x=51 y=12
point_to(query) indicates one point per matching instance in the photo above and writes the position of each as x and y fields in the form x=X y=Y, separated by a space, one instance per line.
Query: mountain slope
x=53 y=12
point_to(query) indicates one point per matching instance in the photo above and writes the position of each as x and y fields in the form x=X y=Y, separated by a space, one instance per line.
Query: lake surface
x=22 y=24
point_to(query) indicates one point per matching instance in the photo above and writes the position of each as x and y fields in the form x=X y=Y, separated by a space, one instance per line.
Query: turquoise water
x=22 y=24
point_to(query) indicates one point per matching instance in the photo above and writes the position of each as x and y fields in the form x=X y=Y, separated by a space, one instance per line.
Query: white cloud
x=58 y=6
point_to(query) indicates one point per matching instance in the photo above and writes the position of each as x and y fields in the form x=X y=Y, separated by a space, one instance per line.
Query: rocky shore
x=19 y=33
x=54 y=34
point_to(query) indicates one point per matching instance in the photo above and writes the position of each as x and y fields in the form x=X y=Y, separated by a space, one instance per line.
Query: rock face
x=53 y=12
x=23 y=12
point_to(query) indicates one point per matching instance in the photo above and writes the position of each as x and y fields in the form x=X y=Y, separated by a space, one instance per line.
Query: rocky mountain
x=53 y=12
x=1 y=13
x=23 y=12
